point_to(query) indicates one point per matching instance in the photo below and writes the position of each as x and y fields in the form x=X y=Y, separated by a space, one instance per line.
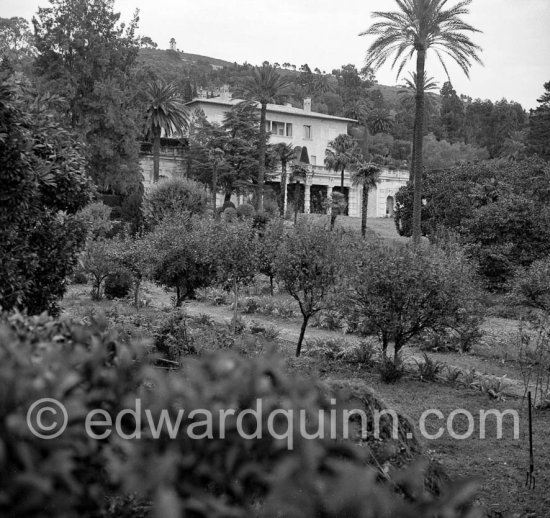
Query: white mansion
x=300 y=127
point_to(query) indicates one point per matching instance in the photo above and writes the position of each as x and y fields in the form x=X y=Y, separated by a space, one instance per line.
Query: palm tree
x=420 y=25
x=165 y=113
x=265 y=86
x=285 y=154
x=368 y=175
x=341 y=154
x=430 y=84
x=379 y=121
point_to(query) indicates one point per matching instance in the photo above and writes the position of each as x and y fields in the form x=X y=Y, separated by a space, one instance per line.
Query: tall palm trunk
x=261 y=165
x=214 y=188
x=283 y=188
x=418 y=144
x=364 y=208
x=156 y=155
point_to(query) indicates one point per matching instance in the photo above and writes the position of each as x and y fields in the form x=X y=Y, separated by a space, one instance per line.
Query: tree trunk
x=261 y=165
x=235 y=312
x=418 y=145
x=214 y=188
x=156 y=155
x=301 y=337
x=178 y=296
x=271 y=284
x=136 y=292
x=342 y=179
x=364 y=209
x=283 y=188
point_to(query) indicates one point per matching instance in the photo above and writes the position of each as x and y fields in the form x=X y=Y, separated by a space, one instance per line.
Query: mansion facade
x=300 y=128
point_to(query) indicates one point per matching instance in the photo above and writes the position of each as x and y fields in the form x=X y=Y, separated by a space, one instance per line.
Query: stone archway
x=390 y=206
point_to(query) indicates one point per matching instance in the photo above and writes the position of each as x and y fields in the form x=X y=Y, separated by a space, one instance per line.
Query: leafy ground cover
x=500 y=465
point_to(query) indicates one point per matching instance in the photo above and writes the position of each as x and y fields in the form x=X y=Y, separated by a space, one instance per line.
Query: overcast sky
x=324 y=34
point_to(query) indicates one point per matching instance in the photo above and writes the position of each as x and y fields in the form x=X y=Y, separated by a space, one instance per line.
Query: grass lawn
x=500 y=465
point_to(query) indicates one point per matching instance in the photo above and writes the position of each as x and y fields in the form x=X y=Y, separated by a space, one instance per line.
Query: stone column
x=329 y=194
x=307 y=197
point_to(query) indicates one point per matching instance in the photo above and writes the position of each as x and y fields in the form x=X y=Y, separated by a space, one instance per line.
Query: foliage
x=309 y=264
x=265 y=85
x=97 y=218
x=531 y=286
x=172 y=338
x=236 y=252
x=417 y=27
x=269 y=242
x=43 y=185
x=245 y=210
x=166 y=115
x=429 y=369
x=539 y=126
x=400 y=292
x=118 y=285
x=84 y=368
x=98 y=262
x=498 y=208
x=86 y=56
x=184 y=255
x=391 y=371
x=170 y=198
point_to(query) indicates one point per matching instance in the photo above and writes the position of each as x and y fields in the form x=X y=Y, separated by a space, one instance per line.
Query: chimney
x=307 y=104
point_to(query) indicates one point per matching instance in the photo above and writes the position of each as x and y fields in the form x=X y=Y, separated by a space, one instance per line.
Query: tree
x=98 y=261
x=165 y=114
x=341 y=155
x=418 y=26
x=269 y=242
x=538 y=139
x=43 y=186
x=236 y=256
x=285 y=154
x=15 y=38
x=265 y=86
x=87 y=57
x=309 y=265
x=368 y=176
x=184 y=249
x=401 y=292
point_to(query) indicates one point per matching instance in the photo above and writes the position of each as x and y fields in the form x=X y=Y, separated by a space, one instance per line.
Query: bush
x=531 y=286
x=170 y=198
x=117 y=285
x=86 y=368
x=172 y=338
x=246 y=211
x=402 y=293
x=43 y=186
x=229 y=215
x=97 y=218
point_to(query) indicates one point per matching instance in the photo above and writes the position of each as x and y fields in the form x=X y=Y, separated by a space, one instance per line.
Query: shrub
x=402 y=293
x=170 y=198
x=246 y=211
x=86 y=368
x=271 y=235
x=428 y=369
x=531 y=286
x=117 y=285
x=97 y=218
x=229 y=215
x=172 y=338
x=98 y=262
x=43 y=185
x=391 y=371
